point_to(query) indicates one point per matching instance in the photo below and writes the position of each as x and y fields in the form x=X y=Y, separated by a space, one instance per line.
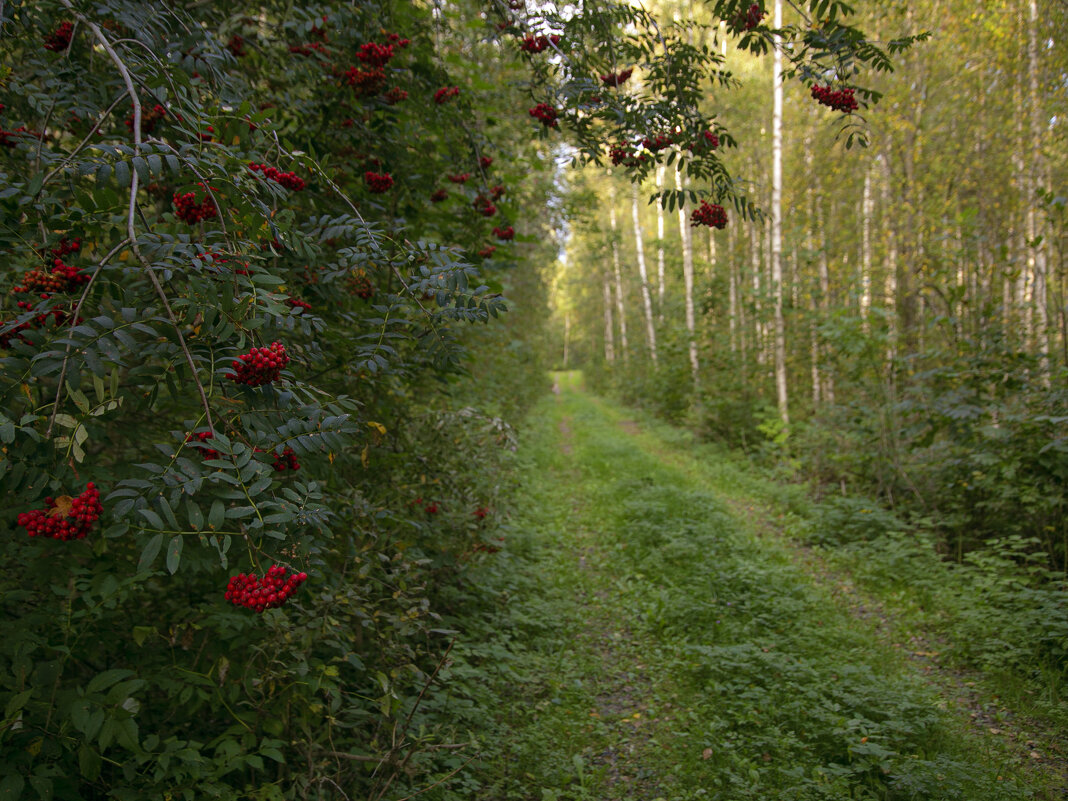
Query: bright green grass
x=635 y=640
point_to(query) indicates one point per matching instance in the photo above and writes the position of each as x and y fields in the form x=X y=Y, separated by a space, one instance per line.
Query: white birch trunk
x=660 y=285
x=609 y=333
x=776 y=221
x=620 y=306
x=1037 y=249
x=687 y=277
x=865 y=254
x=639 y=248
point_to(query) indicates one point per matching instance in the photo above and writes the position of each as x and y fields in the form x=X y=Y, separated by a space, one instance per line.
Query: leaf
x=151 y=550
x=216 y=515
x=174 y=553
x=64 y=506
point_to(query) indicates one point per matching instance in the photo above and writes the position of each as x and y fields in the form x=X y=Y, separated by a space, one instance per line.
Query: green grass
x=636 y=639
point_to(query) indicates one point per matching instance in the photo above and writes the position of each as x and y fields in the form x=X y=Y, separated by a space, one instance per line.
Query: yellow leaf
x=364 y=457
x=381 y=429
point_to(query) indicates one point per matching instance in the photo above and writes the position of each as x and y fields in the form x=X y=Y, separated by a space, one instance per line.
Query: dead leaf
x=64 y=505
x=706 y=754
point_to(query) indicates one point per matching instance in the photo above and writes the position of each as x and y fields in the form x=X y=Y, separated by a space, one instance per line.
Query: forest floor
x=667 y=643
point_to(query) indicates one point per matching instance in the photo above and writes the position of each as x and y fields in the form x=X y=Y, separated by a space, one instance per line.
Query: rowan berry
x=375 y=55
x=64 y=518
x=273 y=590
x=290 y=180
x=286 y=460
x=439 y=196
x=236 y=45
x=260 y=365
x=360 y=284
x=446 y=93
x=545 y=114
x=378 y=183
x=297 y=303
x=188 y=210
x=395 y=95
x=59 y=39
x=617 y=78
x=709 y=214
x=504 y=233
x=459 y=178
x=487 y=251
x=198 y=438
x=840 y=100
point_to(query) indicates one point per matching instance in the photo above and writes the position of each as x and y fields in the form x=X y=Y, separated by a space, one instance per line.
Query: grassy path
x=644 y=644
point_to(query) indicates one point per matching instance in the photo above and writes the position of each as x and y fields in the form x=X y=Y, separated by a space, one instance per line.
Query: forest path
x=667 y=652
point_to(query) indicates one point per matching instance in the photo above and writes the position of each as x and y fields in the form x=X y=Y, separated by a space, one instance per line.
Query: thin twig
x=131 y=212
x=73 y=324
x=83 y=143
x=443 y=779
x=426 y=685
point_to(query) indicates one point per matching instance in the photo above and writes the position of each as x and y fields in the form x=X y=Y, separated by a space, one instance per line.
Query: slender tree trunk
x=620 y=306
x=865 y=253
x=1037 y=246
x=687 y=277
x=609 y=333
x=827 y=382
x=890 y=287
x=776 y=221
x=758 y=306
x=660 y=244
x=567 y=335
x=639 y=248
x=732 y=292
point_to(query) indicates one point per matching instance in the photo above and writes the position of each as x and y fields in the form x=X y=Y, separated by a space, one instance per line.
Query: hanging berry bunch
x=709 y=214
x=150 y=118
x=290 y=180
x=260 y=365
x=296 y=303
x=198 y=439
x=360 y=284
x=188 y=210
x=459 y=178
x=378 y=183
x=484 y=207
x=236 y=45
x=487 y=251
x=747 y=20
x=61 y=278
x=438 y=196
x=705 y=142
x=839 y=100
x=485 y=162
x=375 y=55
x=286 y=460
x=617 y=78
x=504 y=233
x=59 y=40
x=536 y=44
x=658 y=142
x=365 y=82
x=545 y=114
x=446 y=93
x=623 y=153
x=273 y=590
x=64 y=518
x=395 y=95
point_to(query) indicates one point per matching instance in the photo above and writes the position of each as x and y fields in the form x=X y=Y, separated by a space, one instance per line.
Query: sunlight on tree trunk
x=776 y=222
x=639 y=249
x=687 y=276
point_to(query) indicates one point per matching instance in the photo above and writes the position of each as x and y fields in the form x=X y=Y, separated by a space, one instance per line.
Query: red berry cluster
x=375 y=55
x=617 y=78
x=62 y=278
x=487 y=251
x=485 y=161
x=365 y=82
x=188 y=210
x=432 y=508
x=58 y=314
x=297 y=303
x=65 y=518
x=290 y=180
x=207 y=135
x=659 y=142
x=446 y=93
x=308 y=49
x=11 y=138
x=439 y=196
x=496 y=192
x=286 y=460
x=395 y=95
x=484 y=207
x=59 y=39
x=396 y=40
x=707 y=140
x=623 y=153
x=198 y=439
x=272 y=590
x=545 y=114
x=149 y=118
x=65 y=247
x=481 y=512
x=378 y=182
x=753 y=16
x=260 y=365
x=535 y=44
x=839 y=100
x=360 y=284
x=236 y=45
x=460 y=178
x=709 y=214
x=504 y=233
